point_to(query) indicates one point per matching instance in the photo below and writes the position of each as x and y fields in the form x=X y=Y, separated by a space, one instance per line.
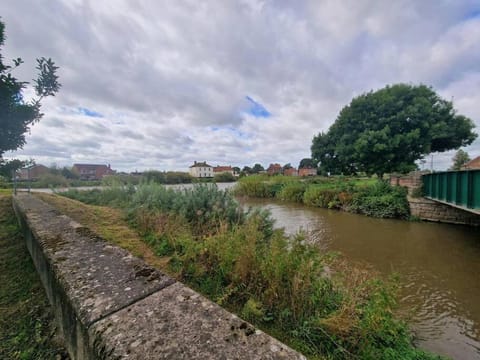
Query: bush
x=52 y=180
x=166 y=177
x=254 y=186
x=321 y=197
x=224 y=177
x=292 y=192
x=418 y=192
x=204 y=206
x=381 y=200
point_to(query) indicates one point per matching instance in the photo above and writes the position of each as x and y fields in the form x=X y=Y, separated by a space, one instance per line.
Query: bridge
x=460 y=189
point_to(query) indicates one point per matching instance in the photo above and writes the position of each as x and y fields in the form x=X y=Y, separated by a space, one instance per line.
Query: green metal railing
x=460 y=188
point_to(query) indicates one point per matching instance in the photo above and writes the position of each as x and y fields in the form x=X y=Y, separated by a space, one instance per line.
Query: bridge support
x=430 y=210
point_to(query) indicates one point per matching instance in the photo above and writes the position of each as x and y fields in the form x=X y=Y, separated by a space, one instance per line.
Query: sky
x=160 y=84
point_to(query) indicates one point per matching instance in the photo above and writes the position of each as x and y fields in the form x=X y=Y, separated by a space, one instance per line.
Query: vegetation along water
x=311 y=299
x=358 y=195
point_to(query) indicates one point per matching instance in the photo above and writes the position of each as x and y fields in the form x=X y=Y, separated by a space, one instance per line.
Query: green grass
x=278 y=283
x=26 y=321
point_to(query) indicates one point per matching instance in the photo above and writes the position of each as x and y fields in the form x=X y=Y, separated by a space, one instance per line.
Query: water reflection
x=439 y=265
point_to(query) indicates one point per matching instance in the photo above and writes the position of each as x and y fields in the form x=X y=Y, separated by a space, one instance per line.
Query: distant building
x=290 y=172
x=223 y=169
x=472 y=164
x=307 y=171
x=32 y=172
x=274 y=169
x=201 y=170
x=92 y=171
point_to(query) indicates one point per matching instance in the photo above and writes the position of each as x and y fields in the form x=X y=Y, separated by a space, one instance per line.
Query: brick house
x=308 y=171
x=92 y=171
x=472 y=164
x=290 y=172
x=32 y=173
x=201 y=170
x=224 y=169
x=274 y=169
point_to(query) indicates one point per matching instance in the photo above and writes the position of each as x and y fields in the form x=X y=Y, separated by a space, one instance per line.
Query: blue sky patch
x=89 y=112
x=472 y=15
x=256 y=109
x=233 y=130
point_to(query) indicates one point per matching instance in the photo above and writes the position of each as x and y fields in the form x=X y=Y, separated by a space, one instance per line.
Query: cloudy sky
x=159 y=84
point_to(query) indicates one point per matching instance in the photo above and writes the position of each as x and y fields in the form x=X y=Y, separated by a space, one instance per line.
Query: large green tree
x=17 y=114
x=389 y=129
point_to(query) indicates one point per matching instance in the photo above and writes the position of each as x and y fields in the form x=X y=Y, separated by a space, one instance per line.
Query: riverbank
x=313 y=301
x=357 y=195
x=27 y=329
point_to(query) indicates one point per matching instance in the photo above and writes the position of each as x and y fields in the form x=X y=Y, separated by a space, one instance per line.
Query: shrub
x=224 y=177
x=52 y=180
x=320 y=197
x=418 y=192
x=381 y=200
x=292 y=192
x=254 y=186
x=204 y=206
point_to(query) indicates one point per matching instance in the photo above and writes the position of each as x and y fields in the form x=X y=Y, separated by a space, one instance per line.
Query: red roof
x=222 y=168
x=472 y=164
x=93 y=171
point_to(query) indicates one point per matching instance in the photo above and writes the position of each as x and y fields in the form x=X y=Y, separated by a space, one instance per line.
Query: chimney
x=195 y=162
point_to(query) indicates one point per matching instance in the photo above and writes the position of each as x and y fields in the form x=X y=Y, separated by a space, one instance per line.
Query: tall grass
x=279 y=283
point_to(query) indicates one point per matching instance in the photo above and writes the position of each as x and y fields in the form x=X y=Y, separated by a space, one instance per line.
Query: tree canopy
x=306 y=163
x=461 y=157
x=257 y=168
x=16 y=114
x=389 y=129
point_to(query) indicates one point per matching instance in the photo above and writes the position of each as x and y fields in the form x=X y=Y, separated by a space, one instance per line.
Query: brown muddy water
x=438 y=265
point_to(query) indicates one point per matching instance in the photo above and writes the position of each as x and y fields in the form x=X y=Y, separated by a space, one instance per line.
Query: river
x=438 y=264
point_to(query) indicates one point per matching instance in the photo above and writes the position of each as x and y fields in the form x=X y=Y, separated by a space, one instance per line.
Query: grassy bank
x=26 y=321
x=363 y=196
x=313 y=301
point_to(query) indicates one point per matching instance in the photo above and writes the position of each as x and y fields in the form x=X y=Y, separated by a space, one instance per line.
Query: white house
x=201 y=170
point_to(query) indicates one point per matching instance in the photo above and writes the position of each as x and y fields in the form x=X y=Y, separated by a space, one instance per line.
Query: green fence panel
x=476 y=190
x=450 y=188
x=464 y=189
x=461 y=188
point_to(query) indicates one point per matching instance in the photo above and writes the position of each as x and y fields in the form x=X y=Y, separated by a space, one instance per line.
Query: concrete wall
x=427 y=209
x=111 y=305
x=430 y=210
